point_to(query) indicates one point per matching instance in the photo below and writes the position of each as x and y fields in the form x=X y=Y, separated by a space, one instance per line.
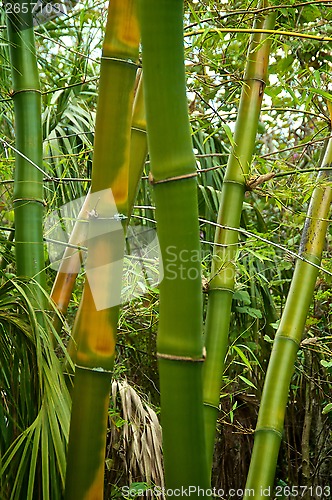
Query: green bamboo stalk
x=221 y=286
x=28 y=179
x=173 y=172
x=269 y=429
x=96 y=322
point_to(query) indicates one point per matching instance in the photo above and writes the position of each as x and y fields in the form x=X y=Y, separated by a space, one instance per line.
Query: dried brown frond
x=134 y=451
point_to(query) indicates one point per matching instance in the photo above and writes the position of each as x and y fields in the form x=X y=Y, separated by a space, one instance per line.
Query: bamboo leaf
x=320 y=92
x=248 y=382
x=254 y=313
x=327 y=408
x=229 y=134
x=242 y=356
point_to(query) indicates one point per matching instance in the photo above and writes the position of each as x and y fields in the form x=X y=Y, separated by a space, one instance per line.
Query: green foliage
x=35 y=403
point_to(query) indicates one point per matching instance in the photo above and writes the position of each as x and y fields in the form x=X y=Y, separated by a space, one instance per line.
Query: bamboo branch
x=233 y=13
x=259 y=31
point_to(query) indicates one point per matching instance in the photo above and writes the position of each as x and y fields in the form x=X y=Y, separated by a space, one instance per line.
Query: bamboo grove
x=165 y=204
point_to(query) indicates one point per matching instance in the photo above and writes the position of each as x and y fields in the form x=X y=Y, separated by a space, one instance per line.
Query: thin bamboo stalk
x=138 y=144
x=96 y=322
x=271 y=414
x=221 y=285
x=173 y=172
x=28 y=183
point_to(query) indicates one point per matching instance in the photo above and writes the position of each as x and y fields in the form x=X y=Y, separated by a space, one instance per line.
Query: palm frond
x=35 y=403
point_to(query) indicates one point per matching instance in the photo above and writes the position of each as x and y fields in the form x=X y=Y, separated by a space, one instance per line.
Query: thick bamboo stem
x=173 y=171
x=270 y=422
x=96 y=322
x=28 y=183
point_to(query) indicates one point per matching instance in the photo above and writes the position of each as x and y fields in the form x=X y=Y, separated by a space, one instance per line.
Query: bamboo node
x=229 y=181
x=37 y=200
x=280 y=336
x=255 y=79
x=138 y=129
x=120 y=60
x=153 y=182
x=269 y=429
x=221 y=289
x=13 y=92
x=187 y=359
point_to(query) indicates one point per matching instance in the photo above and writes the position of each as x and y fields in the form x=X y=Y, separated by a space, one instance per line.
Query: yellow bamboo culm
x=95 y=327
